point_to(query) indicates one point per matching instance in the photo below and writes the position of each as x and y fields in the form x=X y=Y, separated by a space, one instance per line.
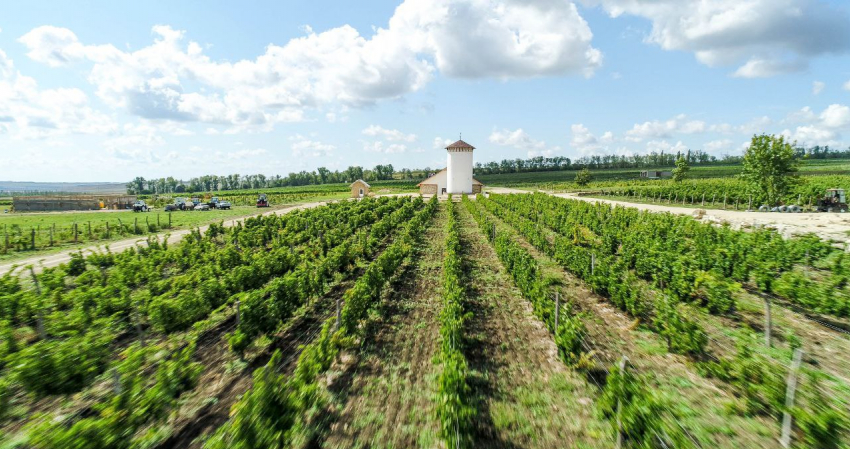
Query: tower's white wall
x=459 y=172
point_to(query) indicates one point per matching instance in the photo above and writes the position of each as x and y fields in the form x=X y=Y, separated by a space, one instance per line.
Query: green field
x=55 y=231
x=618 y=177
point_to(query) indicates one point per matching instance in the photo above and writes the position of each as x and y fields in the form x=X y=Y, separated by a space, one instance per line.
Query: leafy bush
x=61 y=366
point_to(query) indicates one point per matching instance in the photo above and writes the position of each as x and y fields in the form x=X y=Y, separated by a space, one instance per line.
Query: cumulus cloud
x=664 y=129
x=391 y=135
x=29 y=112
x=583 y=140
x=659 y=146
x=718 y=146
x=441 y=143
x=836 y=116
x=520 y=140
x=753 y=33
x=173 y=79
x=305 y=147
x=819 y=129
x=382 y=147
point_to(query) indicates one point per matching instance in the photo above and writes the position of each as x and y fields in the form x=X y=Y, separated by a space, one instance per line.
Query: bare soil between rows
x=386 y=395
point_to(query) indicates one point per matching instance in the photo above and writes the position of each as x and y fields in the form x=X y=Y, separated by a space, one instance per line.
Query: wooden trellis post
x=42 y=334
x=32 y=238
x=51 y=236
x=338 y=314
x=557 y=310
x=620 y=406
x=592 y=263
x=75 y=233
x=768 y=324
x=107 y=229
x=790 y=392
x=138 y=319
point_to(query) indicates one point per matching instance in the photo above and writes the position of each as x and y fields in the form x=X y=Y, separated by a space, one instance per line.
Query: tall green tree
x=681 y=170
x=769 y=167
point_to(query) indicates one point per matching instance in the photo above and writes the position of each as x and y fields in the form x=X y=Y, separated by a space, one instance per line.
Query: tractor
x=834 y=201
x=262 y=201
x=140 y=206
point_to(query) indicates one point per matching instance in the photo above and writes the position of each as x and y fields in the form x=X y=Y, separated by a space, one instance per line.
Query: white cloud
x=766 y=68
x=657 y=129
x=29 y=112
x=847 y=85
x=246 y=153
x=520 y=140
x=382 y=147
x=804 y=115
x=811 y=135
x=752 y=32
x=440 y=143
x=391 y=135
x=817 y=87
x=583 y=140
x=304 y=147
x=659 y=146
x=173 y=79
x=718 y=146
x=819 y=129
x=836 y=116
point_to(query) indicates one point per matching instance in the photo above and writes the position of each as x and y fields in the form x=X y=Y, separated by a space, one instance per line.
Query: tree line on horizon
x=322 y=175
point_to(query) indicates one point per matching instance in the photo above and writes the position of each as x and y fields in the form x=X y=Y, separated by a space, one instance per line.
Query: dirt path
x=832 y=226
x=55 y=259
x=527 y=396
x=389 y=402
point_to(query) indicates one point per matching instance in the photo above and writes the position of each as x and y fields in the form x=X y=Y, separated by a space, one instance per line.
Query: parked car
x=202 y=206
x=262 y=201
x=223 y=205
x=213 y=203
x=171 y=207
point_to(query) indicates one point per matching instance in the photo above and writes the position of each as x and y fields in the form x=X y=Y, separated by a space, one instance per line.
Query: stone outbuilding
x=437 y=184
x=359 y=189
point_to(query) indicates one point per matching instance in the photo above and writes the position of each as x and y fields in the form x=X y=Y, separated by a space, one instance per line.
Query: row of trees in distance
x=322 y=175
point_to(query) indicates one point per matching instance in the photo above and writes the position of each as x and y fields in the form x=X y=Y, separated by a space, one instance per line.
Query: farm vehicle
x=140 y=206
x=835 y=200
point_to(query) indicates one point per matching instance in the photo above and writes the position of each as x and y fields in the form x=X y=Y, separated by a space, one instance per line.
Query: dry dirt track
x=52 y=260
x=833 y=226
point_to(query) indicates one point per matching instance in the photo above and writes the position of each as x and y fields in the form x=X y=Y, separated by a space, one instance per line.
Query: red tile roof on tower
x=460 y=145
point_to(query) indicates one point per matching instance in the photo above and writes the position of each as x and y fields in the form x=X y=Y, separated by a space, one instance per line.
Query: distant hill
x=13 y=187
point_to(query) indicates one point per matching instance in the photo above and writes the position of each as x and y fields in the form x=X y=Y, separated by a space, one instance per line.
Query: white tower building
x=459 y=168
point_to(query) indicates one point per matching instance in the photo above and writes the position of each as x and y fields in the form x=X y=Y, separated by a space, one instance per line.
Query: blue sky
x=105 y=91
